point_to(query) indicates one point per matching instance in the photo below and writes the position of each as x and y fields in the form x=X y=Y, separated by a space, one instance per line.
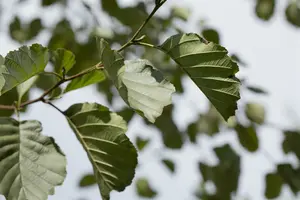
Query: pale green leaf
x=102 y=134
x=181 y=12
x=209 y=66
x=23 y=64
x=2 y=69
x=292 y=13
x=85 y=80
x=31 y=164
x=255 y=112
x=24 y=87
x=63 y=60
x=141 y=86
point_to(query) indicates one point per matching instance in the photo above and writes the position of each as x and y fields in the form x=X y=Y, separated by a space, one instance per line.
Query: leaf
x=291 y=142
x=85 y=80
x=290 y=176
x=47 y=81
x=24 y=87
x=171 y=136
x=141 y=86
x=23 y=64
x=51 y=2
x=247 y=137
x=180 y=12
x=25 y=32
x=265 y=9
x=127 y=114
x=211 y=35
x=87 y=180
x=31 y=164
x=256 y=90
x=292 y=13
x=274 y=184
x=102 y=135
x=144 y=189
x=170 y=165
x=141 y=143
x=63 y=60
x=209 y=67
x=255 y=112
x=225 y=175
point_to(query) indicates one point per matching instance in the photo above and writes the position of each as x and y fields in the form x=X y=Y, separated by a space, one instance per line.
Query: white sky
x=271 y=51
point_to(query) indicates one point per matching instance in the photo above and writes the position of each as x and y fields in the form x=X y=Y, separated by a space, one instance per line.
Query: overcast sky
x=271 y=51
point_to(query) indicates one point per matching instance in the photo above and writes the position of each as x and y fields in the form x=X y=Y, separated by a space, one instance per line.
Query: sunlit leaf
x=209 y=67
x=141 y=86
x=23 y=64
x=31 y=164
x=63 y=60
x=96 y=76
x=102 y=135
x=24 y=87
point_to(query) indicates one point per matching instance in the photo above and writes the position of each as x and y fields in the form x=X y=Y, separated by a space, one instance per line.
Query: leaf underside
x=142 y=87
x=31 y=164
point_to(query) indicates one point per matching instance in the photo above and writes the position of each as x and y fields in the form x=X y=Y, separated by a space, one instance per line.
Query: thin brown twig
x=47 y=92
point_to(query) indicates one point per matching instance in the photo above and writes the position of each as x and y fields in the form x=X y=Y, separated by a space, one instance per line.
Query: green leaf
x=247 y=137
x=51 y=2
x=87 y=180
x=291 y=143
x=31 y=164
x=290 y=176
x=180 y=12
x=102 y=135
x=47 y=81
x=141 y=86
x=141 y=143
x=209 y=67
x=256 y=90
x=24 y=87
x=144 y=189
x=211 y=35
x=255 y=112
x=292 y=13
x=265 y=9
x=274 y=184
x=23 y=64
x=127 y=114
x=85 y=80
x=63 y=60
x=225 y=175
x=170 y=165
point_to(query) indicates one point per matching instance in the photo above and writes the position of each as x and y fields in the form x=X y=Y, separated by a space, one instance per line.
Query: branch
x=47 y=92
x=133 y=39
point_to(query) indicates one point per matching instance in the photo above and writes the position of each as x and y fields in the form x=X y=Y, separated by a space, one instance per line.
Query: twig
x=54 y=106
x=42 y=97
x=132 y=40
